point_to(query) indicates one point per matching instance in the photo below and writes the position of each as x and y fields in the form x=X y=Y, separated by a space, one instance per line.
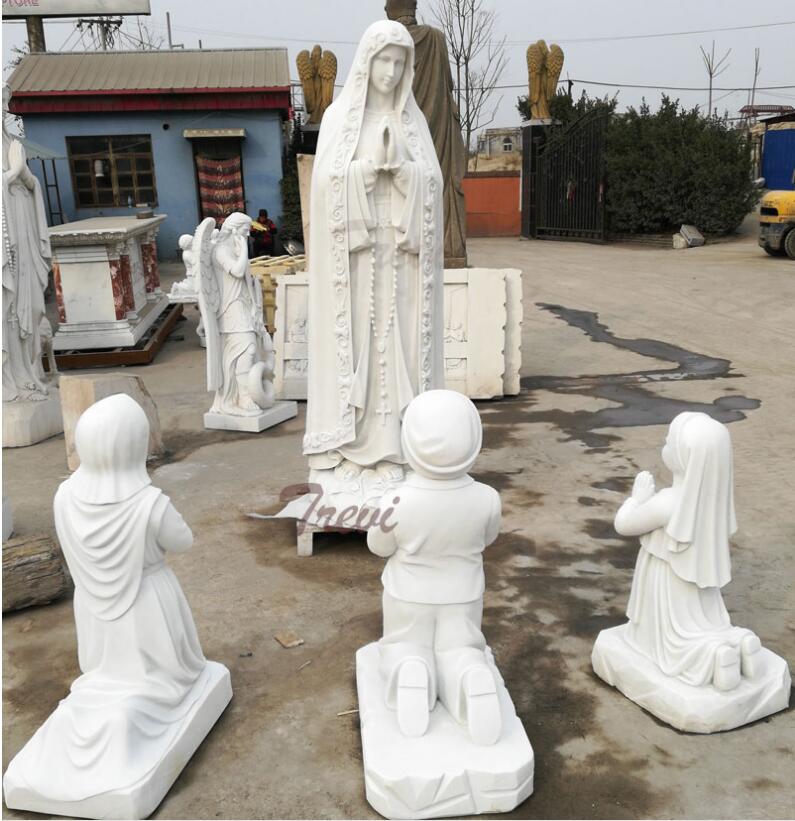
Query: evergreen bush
x=670 y=167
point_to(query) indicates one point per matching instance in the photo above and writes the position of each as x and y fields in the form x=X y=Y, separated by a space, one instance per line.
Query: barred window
x=112 y=171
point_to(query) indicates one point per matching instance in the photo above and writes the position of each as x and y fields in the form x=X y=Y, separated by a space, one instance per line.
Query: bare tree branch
x=478 y=61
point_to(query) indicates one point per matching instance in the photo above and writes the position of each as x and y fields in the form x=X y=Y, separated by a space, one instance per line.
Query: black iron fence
x=569 y=181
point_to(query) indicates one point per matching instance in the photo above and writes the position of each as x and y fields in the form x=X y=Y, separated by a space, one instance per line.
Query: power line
x=251 y=36
x=650 y=87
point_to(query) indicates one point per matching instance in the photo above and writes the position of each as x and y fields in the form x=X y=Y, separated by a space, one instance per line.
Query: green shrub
x=290 y=224
x=675 y=166
x=668 y=167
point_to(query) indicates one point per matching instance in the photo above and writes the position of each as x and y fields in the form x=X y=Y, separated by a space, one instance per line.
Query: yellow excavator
x=777 y=223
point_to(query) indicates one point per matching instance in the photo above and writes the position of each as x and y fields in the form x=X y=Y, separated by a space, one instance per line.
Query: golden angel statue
x=317 y=72
x=543 y=69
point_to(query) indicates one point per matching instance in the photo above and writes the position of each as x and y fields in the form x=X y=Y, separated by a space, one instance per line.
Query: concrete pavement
x=617 y=340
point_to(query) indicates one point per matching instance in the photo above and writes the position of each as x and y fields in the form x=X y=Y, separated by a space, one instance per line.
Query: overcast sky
x=577 y=25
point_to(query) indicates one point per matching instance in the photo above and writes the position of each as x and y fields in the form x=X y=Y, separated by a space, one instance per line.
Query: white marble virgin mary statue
x=375 y=292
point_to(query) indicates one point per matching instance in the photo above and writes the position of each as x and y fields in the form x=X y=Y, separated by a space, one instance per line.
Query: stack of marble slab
x=482 y=332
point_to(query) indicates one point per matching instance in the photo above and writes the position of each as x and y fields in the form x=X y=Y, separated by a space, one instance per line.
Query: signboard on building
x=73 y=8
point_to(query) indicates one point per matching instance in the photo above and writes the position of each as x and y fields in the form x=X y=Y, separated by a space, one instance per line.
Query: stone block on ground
x=26 y=422
x=692 y=235
x=80 y=391
x=679 y=242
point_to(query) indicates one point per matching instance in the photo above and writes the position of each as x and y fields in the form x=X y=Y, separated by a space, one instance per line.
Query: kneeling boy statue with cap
x=473 y=746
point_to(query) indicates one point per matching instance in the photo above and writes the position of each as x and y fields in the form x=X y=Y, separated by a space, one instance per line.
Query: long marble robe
x=26 y=267
x=363 y=225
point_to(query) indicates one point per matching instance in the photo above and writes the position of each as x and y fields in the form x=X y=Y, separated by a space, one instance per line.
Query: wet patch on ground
x=553 y=691
x=636 y=405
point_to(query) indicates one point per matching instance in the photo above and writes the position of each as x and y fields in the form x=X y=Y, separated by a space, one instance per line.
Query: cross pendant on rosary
x=382 y=412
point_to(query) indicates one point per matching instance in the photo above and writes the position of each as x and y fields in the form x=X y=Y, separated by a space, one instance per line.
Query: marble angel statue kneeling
x=678 y=621
x=240 y=357
x=147 y=696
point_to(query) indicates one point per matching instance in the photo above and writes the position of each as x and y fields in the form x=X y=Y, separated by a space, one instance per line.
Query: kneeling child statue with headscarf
x=679 y=656
x=147 y=696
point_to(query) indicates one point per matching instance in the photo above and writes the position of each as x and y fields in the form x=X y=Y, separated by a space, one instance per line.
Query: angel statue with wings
x=240 y=358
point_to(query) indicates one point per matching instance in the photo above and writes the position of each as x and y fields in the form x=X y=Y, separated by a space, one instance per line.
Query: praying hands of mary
x=375 y=291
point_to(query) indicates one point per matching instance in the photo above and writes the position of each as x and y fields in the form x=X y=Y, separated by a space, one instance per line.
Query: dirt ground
x=617 y=340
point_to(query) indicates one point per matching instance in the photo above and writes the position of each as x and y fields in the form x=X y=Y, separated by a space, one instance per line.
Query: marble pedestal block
x=80 y=391
x=441 y=773
x=336 y=505
x=482 y=333
x=27 y=422
x=137 y=800
x=692 y=709
x=280 y=412
x=107 y=283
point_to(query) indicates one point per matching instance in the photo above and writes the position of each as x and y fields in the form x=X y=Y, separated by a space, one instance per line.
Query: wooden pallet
x=141 y=354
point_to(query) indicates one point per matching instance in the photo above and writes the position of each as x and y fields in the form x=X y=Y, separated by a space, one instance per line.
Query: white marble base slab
x=280 y=412
x=122 y=333
x=688 y=708
x=27 y=422
x=442 y=773
x=141 y=799
x=183 y=299
x=334 y=504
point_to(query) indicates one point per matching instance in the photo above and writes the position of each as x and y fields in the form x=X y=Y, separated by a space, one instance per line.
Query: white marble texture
x=146 y=696
x=440 y=735
x=106 y=281
x=29 y=397
x=187 y=289
x=679 y=656
x=691 y=709
x=28 y=422
x=275 y=415
x=376 y=251
x=240 y=356
x=483 y=317
x=443 y=773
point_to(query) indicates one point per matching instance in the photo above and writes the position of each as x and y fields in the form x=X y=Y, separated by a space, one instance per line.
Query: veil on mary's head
x=703 y=518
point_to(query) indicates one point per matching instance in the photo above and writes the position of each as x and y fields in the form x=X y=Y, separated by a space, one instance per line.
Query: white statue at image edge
x=31 y=409
x=147 y=696
x=186 y=290
x=440 y=734
x=240 y=356
x=375 y=304
x=679 y=656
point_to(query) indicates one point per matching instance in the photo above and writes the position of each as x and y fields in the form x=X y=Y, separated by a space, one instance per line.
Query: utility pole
x=171 y=43
x=757 y=72
x=35 y=26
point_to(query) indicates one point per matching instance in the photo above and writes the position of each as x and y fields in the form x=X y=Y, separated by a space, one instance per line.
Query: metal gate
x=570 y=181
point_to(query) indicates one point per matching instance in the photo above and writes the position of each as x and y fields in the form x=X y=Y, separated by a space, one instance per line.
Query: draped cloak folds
x=343 y=225
x=142 y=665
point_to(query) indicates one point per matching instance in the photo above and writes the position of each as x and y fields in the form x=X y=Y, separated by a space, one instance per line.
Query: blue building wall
x=778 y=159
x=175 y=175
